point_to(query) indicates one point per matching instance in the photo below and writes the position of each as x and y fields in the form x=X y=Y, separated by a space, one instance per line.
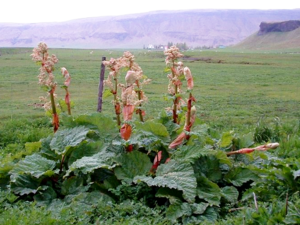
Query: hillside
x=281 y=35
x=194 y=27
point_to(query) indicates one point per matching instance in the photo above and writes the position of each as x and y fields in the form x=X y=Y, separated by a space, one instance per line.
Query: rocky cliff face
x=194 y=27
x=285 y=26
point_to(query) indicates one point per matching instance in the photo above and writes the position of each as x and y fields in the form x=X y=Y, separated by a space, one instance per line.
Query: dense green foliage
x=82 y=174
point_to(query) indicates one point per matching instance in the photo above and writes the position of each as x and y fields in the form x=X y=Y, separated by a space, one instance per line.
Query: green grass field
x=231 y=88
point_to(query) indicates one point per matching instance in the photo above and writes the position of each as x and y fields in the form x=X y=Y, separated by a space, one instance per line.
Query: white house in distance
x=150 y=46
x=157 y=47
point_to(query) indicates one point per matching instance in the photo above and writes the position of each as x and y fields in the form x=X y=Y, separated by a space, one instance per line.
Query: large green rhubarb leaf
x=132 y=164
x=238 y=176
x=103 y=124
x=208 y=166
x=73 y=185
x=199 y=208
x=26 y=184
x=154 y=128
x=149 y=133
x=226 y=140
x=85 y=149
x=64 y=139
x=209 y=191
x=231 y=194
x=46 y=149
x=190 y=153
x=210 y=214
x=174 y=175
x=87 y=164
x=35 y=165
x=222 y=157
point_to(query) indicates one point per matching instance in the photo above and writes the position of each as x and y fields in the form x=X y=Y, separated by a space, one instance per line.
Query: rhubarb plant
x=47 y=80
x=160 y=162
x=132 y=95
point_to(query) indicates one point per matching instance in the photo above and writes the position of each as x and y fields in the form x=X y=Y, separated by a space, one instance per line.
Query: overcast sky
x=34 y=11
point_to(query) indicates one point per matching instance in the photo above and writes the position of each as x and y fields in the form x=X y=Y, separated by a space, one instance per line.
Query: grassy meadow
x=231 y=88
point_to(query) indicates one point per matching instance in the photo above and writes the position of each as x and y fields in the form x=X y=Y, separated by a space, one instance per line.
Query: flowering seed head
x=128 y=96
x=66 y=75
x=188 y=77
x=171 y=88
x=128 y=56
x=179 y=68
x=131 y=77
x=172 y=54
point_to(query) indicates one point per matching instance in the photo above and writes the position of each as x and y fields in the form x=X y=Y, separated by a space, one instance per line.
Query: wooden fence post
x=100 y=89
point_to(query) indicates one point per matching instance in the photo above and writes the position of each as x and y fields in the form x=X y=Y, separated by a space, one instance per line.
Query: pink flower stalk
x=67 y=77
x=174 y=88
x=178 y=141
x=129 y=99
x=131 y=93
x=111 y=82
x=46 y=77
x=172 y=55
x=190 y=114
x=258 y=148
x=187 y=128
x=134 y=77
x=267 y=146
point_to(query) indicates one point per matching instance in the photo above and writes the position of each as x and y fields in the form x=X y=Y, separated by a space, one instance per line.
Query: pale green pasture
x=231 y=88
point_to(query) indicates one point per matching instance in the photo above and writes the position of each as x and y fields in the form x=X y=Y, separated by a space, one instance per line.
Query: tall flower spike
x=172 y=54
x=67 y=77
x=46 y=77
x=134 y=78
x=114 y=66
